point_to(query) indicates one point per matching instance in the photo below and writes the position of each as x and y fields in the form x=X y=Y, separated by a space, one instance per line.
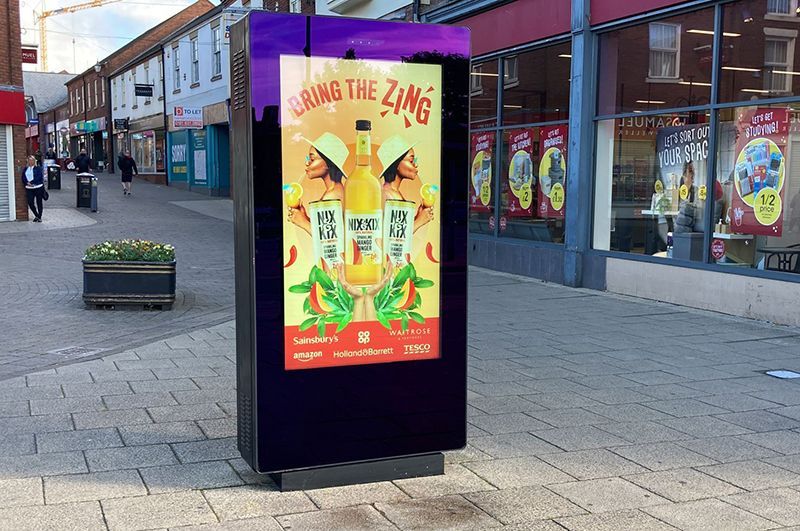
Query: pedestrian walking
x=83 y=163
x=33 y=180
x=51 y=153
x=127 y=166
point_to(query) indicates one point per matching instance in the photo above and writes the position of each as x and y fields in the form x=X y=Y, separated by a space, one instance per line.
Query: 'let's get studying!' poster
x=361 y=148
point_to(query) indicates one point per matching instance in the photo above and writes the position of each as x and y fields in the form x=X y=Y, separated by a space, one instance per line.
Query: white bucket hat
x=332 y=147
x=392 y=149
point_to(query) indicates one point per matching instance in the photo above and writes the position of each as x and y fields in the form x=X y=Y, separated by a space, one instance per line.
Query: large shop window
x=760 y=58
x=651 y=184
x=536 y=85
x=483 y=95
x=660 y=65
x=758 y=179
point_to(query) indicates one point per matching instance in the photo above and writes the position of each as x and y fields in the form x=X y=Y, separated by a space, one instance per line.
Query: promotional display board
x=760 y=172
x=361 y=277
x=520 y=173
x=480 y=155
x=350 y=147
x=682 y=154
x=552 y=171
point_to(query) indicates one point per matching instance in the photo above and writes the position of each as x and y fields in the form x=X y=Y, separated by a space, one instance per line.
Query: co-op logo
x=184 y=112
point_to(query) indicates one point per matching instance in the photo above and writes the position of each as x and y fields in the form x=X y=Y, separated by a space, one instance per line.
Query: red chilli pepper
x=292 y=256
x=429 y=252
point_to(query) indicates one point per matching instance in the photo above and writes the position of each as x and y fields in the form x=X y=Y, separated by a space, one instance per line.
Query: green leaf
x=392 y=316
x=417 y=317
x=344 y=322
x=308 y=323
x=332 y=301
x=299 y=288
x=307 y=306
x=321 y=328
x=404 y=323
x=323 y=278
x=412 y=271
x=395 y=299
x=312 y=275
x=418 y=299
x=402 y=276
x=423 y=283
x=382 y=319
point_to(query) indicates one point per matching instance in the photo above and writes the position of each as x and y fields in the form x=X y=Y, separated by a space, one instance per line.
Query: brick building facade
x=12 y=114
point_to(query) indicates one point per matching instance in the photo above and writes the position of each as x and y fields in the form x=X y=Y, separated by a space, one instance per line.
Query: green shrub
x=130 y=251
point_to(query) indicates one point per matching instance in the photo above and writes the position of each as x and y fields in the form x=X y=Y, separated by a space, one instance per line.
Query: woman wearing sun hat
x=399 y=162
x=325 y=160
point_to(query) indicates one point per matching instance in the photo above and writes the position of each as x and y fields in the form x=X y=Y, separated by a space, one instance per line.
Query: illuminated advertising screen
x=361 y=144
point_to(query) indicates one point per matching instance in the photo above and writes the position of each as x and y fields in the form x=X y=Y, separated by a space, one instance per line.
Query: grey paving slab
x=266 y=523
x=592 y=464
x=130 y=457
x=447 y=512
x=66 y=405
x=727 y=449
x=85 y=516
x=139 y=400
x=73 y=390
x=14 y=409
x=361 y=518
x=507 y=423
x=643 y=432
x=17 y=444
x=524 y=504
x=190 y=476
x=513 y=445
x=190 y=412
x=579 y=438
x=608 y=494
x=704 y=426
x=65 y=441
x=252 y=501
x=206 y=450
x=165 y=386
x=753 y=475
x=626 y=520
x=709 y=515
x=93 y=486
x=26 y=466
x=662 y=456
x=457 y=479
x=518 y=472
x=21 y=492
x=351 y=495
x=157 y=511
x=162 y=432
x=778 y=505
x=683 y=484
x=219 y=428
x=110 y=419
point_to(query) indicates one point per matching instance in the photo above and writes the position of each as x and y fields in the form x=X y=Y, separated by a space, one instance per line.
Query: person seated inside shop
x=690 y=214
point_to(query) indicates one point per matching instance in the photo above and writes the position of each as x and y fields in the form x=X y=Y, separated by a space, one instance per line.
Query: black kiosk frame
x=355 y=423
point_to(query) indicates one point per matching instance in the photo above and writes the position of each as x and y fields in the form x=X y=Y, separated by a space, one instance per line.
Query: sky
x=97 y=31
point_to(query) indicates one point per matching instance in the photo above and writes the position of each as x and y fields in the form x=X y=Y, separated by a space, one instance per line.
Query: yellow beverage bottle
x=363 y=215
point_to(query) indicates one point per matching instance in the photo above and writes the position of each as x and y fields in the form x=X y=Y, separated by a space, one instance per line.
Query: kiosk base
x=365 y=472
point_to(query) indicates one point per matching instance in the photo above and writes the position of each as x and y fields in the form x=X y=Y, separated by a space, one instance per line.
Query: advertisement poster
x=361 y=144
x=199 y=156
x=552 y=171
x=480 y=193
x=759 y=172
x=681 y=155
x=520 y=173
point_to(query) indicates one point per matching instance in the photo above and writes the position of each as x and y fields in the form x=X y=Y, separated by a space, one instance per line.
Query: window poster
x=361 y=165
x=520 y=173
x=759 y=174
x=681 y=155
x=480 y=192
x=552 y=171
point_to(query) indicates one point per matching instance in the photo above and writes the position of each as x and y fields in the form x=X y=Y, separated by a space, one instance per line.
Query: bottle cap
x=363 y=125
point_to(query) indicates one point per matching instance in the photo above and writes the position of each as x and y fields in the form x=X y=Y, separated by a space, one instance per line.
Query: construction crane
x=42 y=17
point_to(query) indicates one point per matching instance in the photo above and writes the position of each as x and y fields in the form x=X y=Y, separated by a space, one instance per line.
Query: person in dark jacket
x=83 y=163
x=127 y=167
x=33 y=181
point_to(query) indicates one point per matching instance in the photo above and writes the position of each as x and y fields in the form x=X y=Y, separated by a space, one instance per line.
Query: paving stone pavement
x=587 y=411
x=41 y=279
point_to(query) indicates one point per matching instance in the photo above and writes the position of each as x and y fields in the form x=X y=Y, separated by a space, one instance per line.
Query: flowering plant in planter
x=129 y=272
x=130 y=251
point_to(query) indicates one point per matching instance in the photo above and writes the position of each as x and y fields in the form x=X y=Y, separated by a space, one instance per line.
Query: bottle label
x=363 y=232
x=398 y=229
x=326 y=231
x=362 y=145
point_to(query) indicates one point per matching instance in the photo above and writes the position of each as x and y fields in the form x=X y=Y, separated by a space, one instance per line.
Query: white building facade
x=362 y=8
x=139 y=121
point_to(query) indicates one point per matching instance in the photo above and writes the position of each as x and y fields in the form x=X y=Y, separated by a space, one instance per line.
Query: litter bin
x=53 y=177
x=86 y=190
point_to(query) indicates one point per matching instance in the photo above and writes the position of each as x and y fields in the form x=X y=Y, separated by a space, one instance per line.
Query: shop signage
x=120 y=124
x=717 y=248
x=199 y=157
x=49 y=128
x=30 y=56
x=143 y=90
x=33 y=121
x=552 y=190
x=357 y=254
x=187 y=117
x=177 y=158
x=480 y=191
x=759 y=175
x=520 y=176
x=88 y=126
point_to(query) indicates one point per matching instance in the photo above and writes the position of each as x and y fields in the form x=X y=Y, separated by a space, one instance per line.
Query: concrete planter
x=111 y=284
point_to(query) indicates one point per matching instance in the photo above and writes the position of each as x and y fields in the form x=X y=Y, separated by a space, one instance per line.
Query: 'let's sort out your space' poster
x=361 y=148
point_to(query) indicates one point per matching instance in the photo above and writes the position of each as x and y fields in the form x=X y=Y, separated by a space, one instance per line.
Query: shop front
x=90 y=135
x=652 y=154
